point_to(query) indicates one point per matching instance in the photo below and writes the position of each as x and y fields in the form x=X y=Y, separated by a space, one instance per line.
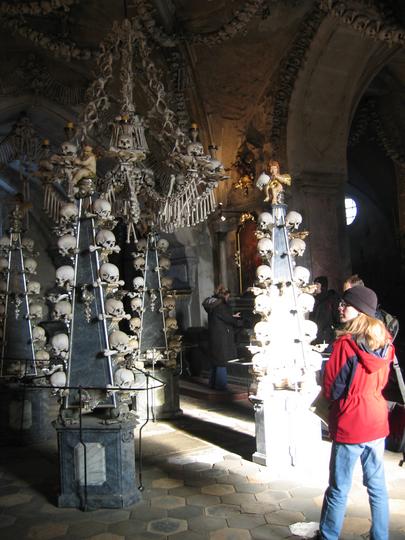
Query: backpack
x=391 y=322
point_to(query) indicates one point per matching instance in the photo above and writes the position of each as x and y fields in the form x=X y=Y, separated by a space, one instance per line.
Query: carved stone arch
x=340 y=65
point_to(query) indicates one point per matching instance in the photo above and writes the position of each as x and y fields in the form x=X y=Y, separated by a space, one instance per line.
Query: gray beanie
x=361 y=298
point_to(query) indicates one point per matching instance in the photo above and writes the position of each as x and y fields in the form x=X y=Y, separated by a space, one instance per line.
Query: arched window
x=351 y=210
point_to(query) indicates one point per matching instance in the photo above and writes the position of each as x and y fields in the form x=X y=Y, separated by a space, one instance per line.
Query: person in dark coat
x=326 y=311
x=221 y=335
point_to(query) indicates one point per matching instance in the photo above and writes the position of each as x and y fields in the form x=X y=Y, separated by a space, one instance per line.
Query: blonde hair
x=368 y=328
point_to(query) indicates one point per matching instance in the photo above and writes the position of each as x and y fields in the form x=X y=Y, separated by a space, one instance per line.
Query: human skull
x=4 y=243
x=263 y=304
x=305 y=302
x=109 y=273
x=262 y=331
x=69 y=149
x=58 y=379
x=141 y=245
x=263 y=273
x=195 y=149
x=309 y=330
x=265 y=221
x=166 y=282
x=293 y=220
x=42 y=355
x=138 y=283
x=105 y=239
x=136 y=304
x=263 y=180
x=169 y=303
x=38 y=334
x=35 y=311
x=62 y=311
x=28 y=244
x=3 y=264
x=66 y=245
x=68 y=213
x=135 y=324
x=65 y=276
x=301 y=275
x=114 y=307
x=265 y=247
x=164 y=263
x=119 y=341
x=260 y=360
x=162 y=245
x=297 y=247
x=124 y=142
x=59 y=343
x=102 y=208
x=139 y=263
x=30 y=265
x=171 y=324
x=33 y=287
x=124 y=378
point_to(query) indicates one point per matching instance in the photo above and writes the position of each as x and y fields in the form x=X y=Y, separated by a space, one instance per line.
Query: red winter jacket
x=353 y=380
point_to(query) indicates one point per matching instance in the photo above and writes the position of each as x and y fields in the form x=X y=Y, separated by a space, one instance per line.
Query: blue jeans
x=218 y=378
x=342 y=461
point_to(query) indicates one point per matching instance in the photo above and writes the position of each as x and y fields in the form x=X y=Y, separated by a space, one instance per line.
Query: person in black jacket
x=221 y=335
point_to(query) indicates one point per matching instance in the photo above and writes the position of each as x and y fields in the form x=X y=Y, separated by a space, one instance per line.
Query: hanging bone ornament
x=65 y=277
x=67 y=245
x=30 y=265
x=265 y=247
x=265 y=221
x=263 y=304
x=262 y=331
x=60 y=345
x=136 y=304
x=138 y=283
x=263 y=273
x=164 y=263
x=33 y=287
x=297 y=247
x=305 y=302
x=162 y=245
x=62 y=311
x=135 y=324
x=309 y=331
x=301 y=275
x=139 y=263
x=293 y=220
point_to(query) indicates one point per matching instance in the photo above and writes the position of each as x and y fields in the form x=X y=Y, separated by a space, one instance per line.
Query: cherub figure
x=275 y=186
x=87 y=165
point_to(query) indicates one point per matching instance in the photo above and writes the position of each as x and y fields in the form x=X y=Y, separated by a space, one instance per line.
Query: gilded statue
x=273 y=184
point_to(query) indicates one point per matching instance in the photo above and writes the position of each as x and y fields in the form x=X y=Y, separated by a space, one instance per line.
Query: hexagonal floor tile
x=168 y=502
x=47 y=531
x=218 y=489
x=167 y=526
x=222 y=510
x=167 y=483
x=230 y=534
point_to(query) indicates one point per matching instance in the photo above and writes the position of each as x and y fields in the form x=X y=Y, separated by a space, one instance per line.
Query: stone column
x=321 y=199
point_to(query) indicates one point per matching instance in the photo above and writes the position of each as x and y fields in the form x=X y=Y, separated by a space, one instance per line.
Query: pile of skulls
x=283 y=357
x=20 y=298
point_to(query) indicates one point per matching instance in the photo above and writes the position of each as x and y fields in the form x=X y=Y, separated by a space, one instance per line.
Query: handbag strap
x=400 y=378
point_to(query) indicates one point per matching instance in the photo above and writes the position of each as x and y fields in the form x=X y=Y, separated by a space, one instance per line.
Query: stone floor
x=198 y=483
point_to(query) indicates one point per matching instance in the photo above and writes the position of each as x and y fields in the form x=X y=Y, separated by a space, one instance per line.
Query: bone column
x=322 y=199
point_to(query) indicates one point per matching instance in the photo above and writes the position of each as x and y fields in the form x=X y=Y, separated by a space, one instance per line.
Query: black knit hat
x=361 y=298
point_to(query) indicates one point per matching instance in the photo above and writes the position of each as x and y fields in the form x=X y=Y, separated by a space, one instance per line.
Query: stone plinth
x=97 y=464
x=288 y=434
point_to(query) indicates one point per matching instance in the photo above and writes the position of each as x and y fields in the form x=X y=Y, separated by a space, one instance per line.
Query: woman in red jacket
x=354 y=378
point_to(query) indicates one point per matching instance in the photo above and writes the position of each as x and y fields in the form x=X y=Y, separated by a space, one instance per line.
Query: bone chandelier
x=159 y=171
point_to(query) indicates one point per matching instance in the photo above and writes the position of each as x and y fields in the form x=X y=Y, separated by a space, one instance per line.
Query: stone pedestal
x=97 y=464
x=162 y=397
x=288 y=434
x=26 y=415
